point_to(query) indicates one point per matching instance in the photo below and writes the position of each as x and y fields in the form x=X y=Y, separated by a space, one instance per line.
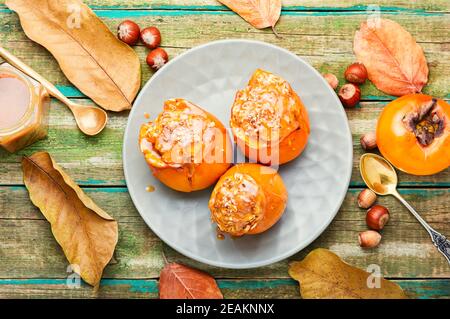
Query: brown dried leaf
x=259 y=13
x=395 y=63
x=181 y=282
x=86 y=233
x=92 y=58
x=322 y=274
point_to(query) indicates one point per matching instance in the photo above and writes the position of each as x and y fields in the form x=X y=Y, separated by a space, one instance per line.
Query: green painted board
x=289 y=5
x=148 y=288
x=324 y=40
x=321 y=32
x=97 y=161
x=28 y=249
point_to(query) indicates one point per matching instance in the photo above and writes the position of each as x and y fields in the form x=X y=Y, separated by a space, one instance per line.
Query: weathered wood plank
x=323 y=5
x=28 y=250
x=364 y=119
x=324 y=39
x=231 y=289
x=98 y=160
x=320 y=32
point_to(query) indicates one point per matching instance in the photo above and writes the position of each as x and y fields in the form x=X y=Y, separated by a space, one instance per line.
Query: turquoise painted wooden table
x=32 y=264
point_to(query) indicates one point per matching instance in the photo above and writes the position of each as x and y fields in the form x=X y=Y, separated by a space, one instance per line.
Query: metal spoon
x=380 y=176
x=90 y=119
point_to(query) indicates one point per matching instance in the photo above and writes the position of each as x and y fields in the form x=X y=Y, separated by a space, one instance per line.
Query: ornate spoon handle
x=439 y=240
x=442 y=243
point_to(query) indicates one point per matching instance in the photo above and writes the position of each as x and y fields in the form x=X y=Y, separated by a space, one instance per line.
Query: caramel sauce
x=268 y=109
x=220 y=235
x=237 y=204
x=24 y=106
x=14 y=100
x=150 y=188
x=179 y=136
x=379 y=174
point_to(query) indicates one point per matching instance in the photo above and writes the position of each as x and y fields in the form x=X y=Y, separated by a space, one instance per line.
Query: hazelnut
x=157 y=58
x=368 y=141
x=128 y=32
x=366 y=198
x=356 y=73
x=349 y=94
x=151 y=37
x=369 y=239
x=332 y=80
x=377 y=217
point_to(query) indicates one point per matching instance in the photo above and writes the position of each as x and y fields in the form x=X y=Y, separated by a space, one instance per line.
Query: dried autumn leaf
x=395 y=63
x=181 y=282
x=92 y=58
x=259 y=13
x=86 y=233
x=322 y=274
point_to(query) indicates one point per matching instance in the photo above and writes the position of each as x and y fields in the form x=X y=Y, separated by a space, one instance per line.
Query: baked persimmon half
x=248 y=199
x=269 y=121
x=413 y=133
x=186 y=147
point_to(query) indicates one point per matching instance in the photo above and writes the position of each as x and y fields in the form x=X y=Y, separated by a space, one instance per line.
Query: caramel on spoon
x=90 y=119
x=380 y=176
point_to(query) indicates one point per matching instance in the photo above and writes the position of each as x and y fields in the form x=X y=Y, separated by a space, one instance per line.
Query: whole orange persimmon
x=269 y=122
x=413 y=133
x=186 y=147
x=248 y=199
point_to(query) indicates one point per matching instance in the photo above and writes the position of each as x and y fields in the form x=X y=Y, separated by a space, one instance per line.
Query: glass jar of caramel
x=24 y=104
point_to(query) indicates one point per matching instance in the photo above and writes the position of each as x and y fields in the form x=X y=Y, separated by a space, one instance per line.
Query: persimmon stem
x=425 y=124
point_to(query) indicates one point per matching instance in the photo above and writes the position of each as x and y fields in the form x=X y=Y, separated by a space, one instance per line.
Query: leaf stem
x=46 y=173
x=166 y=262
x=276 y=33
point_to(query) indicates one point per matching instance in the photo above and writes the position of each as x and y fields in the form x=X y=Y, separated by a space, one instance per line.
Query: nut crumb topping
x=237 y=205
x=179 y=135
x=268 y=109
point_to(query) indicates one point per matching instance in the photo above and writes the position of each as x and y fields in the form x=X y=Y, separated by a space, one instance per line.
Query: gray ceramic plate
x=317 y=181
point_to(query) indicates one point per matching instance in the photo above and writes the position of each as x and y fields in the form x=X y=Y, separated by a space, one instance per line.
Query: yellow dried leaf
x=259 y=13
x=86 y=233
x=92 y=58
x=322 y=274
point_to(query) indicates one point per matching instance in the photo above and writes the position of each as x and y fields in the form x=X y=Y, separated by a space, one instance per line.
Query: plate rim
x=296 y=248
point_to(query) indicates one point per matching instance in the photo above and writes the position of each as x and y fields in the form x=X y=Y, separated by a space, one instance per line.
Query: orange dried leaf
x=181 y=282
x=259 y=13
x=86 y=233
x=395 y=63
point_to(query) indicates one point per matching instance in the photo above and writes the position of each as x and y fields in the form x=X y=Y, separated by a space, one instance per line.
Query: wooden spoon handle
x=16 y=62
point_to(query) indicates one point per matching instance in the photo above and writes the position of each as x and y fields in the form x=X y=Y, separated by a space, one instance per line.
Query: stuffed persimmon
x=248 y=199
x=269 y=121
x=413 y=133
x=186 y=147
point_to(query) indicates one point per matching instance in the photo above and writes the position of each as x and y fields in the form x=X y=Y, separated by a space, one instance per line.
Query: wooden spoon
x=90 y=119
